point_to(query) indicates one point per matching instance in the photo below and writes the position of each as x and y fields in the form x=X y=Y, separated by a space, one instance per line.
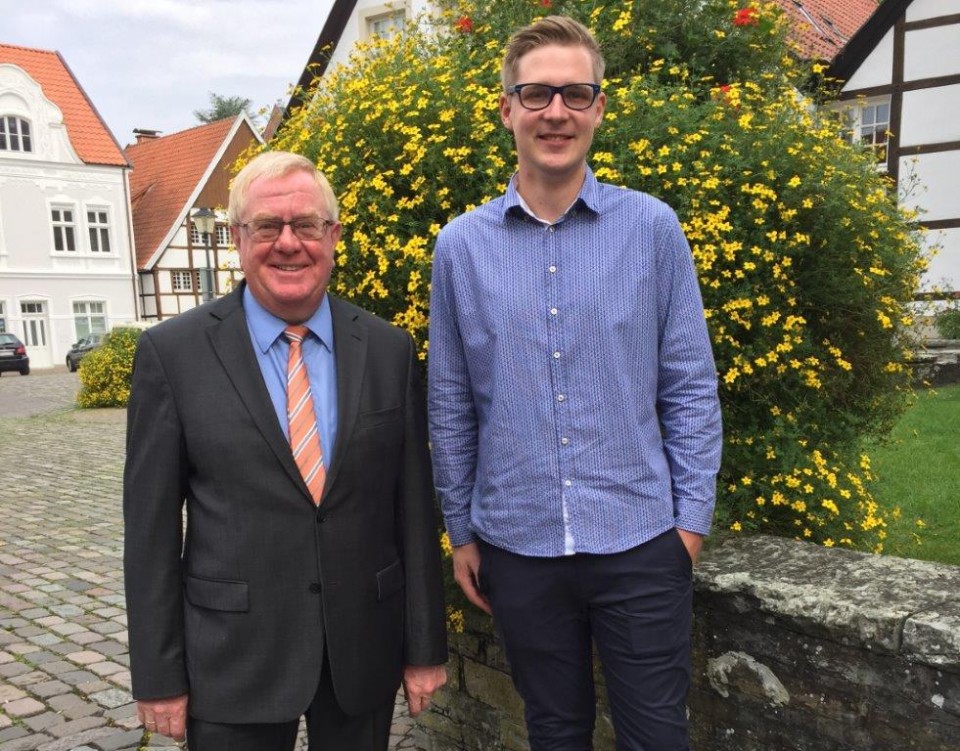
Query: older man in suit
x=308 y=581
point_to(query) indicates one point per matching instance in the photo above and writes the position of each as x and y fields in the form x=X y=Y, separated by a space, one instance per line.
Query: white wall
x=877 y=69
x=923 y=9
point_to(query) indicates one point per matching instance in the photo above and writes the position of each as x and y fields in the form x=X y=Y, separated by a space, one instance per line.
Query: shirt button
x=552 y=269
x=567 y=483
x=315 y=588
x=553 y=311
x=561 y=397
x=556 y=355
x=565 y=441
x=552 y=228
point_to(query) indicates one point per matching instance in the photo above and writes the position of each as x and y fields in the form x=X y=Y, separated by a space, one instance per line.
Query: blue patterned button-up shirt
x=572 y=389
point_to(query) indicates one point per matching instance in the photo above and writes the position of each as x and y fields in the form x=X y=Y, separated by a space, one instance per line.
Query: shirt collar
x=266 y=327
x=588 y=198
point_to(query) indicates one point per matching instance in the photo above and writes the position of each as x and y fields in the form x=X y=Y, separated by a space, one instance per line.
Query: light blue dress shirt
x=272 y=350
x=572 y=388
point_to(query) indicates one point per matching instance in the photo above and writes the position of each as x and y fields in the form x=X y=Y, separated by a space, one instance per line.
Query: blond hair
x=559 y=30
x=273 y=164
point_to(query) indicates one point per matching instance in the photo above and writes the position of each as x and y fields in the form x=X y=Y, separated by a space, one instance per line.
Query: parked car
x=13 y=355
x=79 y=350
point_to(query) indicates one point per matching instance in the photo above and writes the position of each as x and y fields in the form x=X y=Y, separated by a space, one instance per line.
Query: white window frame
x=224 y=240
x=82 y=311
x=39 y=318
x=395 y=14
x=874 y=133
x=7 y=123
x=99 y=230
x=220 y=236
x=179 y=276
x=63 y=224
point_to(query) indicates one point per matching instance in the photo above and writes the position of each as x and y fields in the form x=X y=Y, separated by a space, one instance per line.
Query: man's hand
x=419 y=684
x=692 y=541
x=165 y=716
x=466 y=572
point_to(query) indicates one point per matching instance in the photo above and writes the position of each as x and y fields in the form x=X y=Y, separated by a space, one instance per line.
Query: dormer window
x=15 y=134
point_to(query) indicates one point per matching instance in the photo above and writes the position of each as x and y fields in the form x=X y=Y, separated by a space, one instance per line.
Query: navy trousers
x=636 y=606
x=328 y=728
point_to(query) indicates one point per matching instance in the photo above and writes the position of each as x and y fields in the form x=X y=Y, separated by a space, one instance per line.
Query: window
x=15 y=134
x=64 y=229
x=3 y=318
x=386 y=25
x=870 y=125
x=383 y=21
x=185 y=281
x=34 y=324
x=222 y=238
x=98 y=224
x=89 y=318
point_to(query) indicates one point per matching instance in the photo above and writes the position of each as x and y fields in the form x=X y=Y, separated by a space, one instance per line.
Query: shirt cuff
x=459 y=531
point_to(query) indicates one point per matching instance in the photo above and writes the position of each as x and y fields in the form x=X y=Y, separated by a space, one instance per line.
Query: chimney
x=145 y=135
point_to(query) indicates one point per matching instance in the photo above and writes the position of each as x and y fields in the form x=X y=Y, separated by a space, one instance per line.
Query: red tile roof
x=823 y=27
x=166 y=172
x=89 y=135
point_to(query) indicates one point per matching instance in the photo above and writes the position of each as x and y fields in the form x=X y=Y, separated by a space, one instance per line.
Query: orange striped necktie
x=301 y=418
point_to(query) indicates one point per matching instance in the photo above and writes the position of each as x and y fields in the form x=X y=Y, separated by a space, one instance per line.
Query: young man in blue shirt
x=574 y=416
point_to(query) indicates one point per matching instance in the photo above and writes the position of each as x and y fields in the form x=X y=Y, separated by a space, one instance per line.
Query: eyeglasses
x=538 y=96
x=304 y=228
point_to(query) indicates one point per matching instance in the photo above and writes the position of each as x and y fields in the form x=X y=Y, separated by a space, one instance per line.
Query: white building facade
x=902 y=80
x=66 y=265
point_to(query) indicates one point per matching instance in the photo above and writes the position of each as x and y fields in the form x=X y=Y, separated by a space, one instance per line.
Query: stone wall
x=796 y=648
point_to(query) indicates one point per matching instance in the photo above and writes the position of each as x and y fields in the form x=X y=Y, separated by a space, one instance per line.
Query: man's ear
x=506 y=111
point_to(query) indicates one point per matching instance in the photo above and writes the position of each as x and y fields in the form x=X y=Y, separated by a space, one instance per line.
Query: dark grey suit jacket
x=236 y=613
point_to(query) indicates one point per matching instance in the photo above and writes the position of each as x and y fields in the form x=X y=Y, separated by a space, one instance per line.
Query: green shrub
x=804 y=259
x=948 y=323
x=106 y=371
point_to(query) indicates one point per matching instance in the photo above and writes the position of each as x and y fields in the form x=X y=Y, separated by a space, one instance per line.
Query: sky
x=151 y=63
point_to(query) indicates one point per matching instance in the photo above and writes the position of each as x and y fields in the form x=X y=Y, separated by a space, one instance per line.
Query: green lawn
x=919 y=471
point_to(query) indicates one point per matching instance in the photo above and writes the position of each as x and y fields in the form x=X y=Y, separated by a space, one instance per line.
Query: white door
x=35 y=333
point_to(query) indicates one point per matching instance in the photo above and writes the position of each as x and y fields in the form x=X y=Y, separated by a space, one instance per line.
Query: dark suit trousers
x=328 y=728
x=636 y=606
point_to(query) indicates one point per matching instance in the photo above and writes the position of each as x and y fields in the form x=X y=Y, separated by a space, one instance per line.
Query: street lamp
x=205 y=220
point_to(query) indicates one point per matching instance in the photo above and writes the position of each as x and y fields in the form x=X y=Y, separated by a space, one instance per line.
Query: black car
x=13 y=355
x=80 y=349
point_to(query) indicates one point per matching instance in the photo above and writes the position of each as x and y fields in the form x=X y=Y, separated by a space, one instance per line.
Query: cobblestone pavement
x=64 y=667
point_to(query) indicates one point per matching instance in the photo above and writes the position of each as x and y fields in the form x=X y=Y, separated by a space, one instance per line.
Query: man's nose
x=556 y=107
x=287 y=238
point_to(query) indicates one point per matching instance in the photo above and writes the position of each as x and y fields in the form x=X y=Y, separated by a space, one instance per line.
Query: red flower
x=746 y=17
x=464 y=25
x=546 y=3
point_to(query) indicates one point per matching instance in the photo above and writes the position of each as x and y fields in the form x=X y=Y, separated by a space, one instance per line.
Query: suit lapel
x=230 y=339
x=350 y=345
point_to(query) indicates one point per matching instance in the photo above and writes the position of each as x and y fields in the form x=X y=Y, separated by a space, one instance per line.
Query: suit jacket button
x=321 y=517
x=315 y=588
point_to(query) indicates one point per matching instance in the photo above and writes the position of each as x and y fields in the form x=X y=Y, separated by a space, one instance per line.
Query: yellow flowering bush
x=106 y=371
x=804 y=260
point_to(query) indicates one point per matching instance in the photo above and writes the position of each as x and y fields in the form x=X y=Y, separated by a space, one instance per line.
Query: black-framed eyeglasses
x=537 y=96
x=304 y=228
